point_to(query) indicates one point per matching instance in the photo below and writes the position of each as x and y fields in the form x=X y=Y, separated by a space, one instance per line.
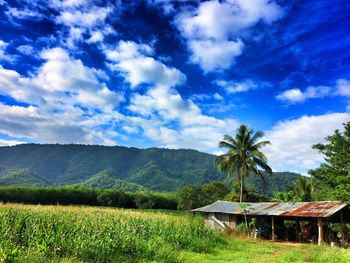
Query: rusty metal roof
x=296 y=209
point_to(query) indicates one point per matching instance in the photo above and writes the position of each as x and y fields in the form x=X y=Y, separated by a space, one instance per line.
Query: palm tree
x=243 y=155
x=304 y=189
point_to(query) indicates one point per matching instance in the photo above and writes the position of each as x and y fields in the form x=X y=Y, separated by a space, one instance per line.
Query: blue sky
x=175 y=74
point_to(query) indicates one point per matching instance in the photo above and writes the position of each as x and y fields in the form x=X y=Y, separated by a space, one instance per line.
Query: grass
x=250 y=251
x=88 y=234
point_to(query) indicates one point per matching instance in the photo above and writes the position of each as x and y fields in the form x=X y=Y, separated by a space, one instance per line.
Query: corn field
x=87 y=234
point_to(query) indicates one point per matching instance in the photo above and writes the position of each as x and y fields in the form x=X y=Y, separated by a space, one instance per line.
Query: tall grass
x=99 y=235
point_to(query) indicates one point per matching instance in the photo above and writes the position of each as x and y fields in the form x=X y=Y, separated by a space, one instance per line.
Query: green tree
x=303 y=189
x=191 y=197
x=243 y=155
x=215 y=191
x=334 y=173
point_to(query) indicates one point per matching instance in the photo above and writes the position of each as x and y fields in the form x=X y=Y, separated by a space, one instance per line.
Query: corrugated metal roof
x=297 y=209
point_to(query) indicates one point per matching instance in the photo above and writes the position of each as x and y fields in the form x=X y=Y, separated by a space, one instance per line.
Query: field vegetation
x=88 y=234
x=86 y=196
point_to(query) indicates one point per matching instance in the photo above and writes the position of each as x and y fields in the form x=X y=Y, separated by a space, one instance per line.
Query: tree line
x=85 y=196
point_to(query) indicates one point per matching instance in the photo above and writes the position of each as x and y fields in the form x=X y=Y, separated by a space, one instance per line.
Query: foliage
x=243 y=155
x=191 y=197
x=20 y=176
x=215 y=191
x=250 y=194
x=155 y=169
x=334 y=173
x=106 y=179
x=100 y=235
x=277 y=182
x=302 y=190
x=84 y=196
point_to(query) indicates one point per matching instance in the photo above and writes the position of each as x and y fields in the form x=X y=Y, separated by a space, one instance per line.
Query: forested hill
x=128 y=169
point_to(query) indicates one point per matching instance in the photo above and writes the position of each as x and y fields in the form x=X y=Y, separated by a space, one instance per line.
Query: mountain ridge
x=157 y=169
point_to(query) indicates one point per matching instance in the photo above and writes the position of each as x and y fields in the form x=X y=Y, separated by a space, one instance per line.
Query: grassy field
x=88 y=234
x=251 y=251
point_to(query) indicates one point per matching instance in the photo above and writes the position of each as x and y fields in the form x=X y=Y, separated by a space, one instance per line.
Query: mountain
x=20 y=176
x=128 y=169
x=107 y=179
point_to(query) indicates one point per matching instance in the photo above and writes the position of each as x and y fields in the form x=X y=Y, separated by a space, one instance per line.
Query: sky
x=176 y=74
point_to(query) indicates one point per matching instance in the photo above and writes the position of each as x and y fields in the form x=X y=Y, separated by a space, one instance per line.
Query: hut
x=309 y=218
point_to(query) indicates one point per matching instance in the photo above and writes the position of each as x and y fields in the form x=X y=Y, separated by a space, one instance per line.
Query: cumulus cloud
x=86 y=19
x=214 y=29
x=297 y=96
x=293 y=96
x=67 y=101
x=215 y=55
x=82 y=20
x=23 y=14
x=292 y=140
x=133 y=61
x=25 y=49
x=343 y=87
x=232 y=87
x=162 y=114
x=3 y=55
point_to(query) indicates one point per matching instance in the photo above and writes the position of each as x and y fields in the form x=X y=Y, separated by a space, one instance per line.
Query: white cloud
x=3 y=55
x=86 y=19
x=167 y=6
x=232 y=87
x=95 y=37
x=215 y=55
x=162 y=107
x=148 y=70
x=162 y=114
x=23 y=14
x=217 y=96
x=69 y=3
x=214 y=30
x=76 y=34
x=68 y=102
x=25 y=49
x=82 y=21
x=133 y=61
x=31 y=122
x=297 y=96
x=292 y=140
x=126 y=50
x=343 y=87
x=202 y=97
x=292 y=96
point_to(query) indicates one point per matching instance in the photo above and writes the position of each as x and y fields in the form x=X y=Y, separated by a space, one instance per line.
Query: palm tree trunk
x=242 y=187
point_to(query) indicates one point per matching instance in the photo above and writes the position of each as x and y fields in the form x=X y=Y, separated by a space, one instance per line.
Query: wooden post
x=320 y=230
x=342 y=229
x=273 y=228
x=297 y=230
